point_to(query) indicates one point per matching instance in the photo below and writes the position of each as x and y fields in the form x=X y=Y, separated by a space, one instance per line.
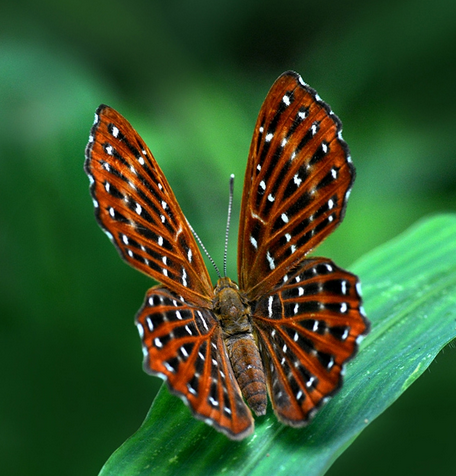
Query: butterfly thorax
x=234 y=314
x=231 y=308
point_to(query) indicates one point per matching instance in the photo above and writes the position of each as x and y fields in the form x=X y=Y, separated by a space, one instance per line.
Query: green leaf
x=410 y=297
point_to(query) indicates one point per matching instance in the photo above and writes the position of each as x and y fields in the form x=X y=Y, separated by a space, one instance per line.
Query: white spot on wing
x=270 y=260
x=165 y=270
x=270 y=301
x=169 y=368
x=200 y=314
x=343 y=286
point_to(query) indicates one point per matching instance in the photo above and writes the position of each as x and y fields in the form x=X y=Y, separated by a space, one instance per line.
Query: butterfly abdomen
x=248 y=369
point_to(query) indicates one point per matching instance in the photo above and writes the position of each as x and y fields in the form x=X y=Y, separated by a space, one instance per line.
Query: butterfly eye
x=292 y=323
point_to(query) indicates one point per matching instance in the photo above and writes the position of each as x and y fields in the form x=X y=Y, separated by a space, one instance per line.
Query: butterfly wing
x=307 y=328
x=296 y=185
x=137 y=209
x=183 y=344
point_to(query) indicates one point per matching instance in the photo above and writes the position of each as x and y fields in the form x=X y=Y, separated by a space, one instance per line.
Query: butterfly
x=292 y=321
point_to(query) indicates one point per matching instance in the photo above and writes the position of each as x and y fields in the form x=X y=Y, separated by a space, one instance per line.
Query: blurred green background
x=191 y=77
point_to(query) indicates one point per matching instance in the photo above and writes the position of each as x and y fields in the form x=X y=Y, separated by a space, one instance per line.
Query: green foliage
x=410 y=297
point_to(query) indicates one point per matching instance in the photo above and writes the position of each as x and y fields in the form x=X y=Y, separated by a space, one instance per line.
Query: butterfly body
x=291 y=324
x=234 y=314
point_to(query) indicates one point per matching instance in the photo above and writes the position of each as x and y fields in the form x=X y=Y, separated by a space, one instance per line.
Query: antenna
x=198 y=239
x=230 y=206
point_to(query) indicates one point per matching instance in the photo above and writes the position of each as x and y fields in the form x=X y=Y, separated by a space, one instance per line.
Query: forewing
x=183 y=345
x=307 y=329
x=137 y=209
x=296 y=185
